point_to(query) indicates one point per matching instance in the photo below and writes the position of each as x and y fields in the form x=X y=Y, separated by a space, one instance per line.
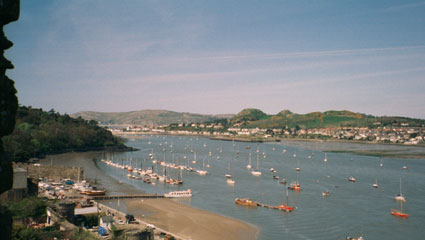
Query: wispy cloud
x=401 y=7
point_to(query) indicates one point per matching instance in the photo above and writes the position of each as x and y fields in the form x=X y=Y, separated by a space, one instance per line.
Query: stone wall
x=53 y=172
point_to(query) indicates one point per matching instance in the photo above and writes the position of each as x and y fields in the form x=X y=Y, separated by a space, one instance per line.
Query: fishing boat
x=351 y=179
x=400 y=197
x=285 y=207
x=179 y=194
x=246 y=202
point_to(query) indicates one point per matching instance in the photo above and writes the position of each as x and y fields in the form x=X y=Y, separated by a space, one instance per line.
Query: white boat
x=351 y=179
x=257 y=172
x=249 y=162
x=179 y=194
x=400 y=197
x=375 y=185
x=326 y=158
x=230 y=181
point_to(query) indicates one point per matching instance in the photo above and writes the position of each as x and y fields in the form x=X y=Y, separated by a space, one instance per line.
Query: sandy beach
x=188 y=222
x=180 y=219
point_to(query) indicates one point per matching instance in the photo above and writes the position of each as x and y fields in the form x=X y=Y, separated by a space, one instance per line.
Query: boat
x=404 y=167
x=257 y=172
x=179 y=194
x=295 y=186
x=326 y=158
x=246 y=202
x=273 y=170
x=249 y=162
x=375 y=185
x=230 y=181
x=95 y=192
x=297 y=169
x=283 y=181
x=382 y=163
x=325 y=193
x=285 y=207
x=276 y=177
x=400 y=197
x=399 y=213
x=351 y=179
x=353 y=238
x=228 y=175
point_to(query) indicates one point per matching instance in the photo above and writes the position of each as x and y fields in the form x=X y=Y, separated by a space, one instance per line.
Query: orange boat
x=246 y=202
x=399 y=213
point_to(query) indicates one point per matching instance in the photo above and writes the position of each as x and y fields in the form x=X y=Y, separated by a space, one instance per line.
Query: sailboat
x=396 y=212
x=249 y=162
x=382 y=163
x=375 y=185
x=400 y=197
x=285 y=207
x=203 y=171
x=228 y=175
x=257 y=172
x=326 y=158
x=399 y=213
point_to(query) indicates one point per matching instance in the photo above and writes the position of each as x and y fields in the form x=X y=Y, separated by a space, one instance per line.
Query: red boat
x=399 y=213
x=285 y=207
x=295 y=186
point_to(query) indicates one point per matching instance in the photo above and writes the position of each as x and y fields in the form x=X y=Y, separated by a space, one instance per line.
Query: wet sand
x=180 y=219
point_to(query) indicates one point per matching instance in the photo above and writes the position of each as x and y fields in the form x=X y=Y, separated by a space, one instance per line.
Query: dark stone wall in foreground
x=9 y=12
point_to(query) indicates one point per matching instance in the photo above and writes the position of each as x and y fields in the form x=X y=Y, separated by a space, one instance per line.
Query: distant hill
x=252 y=118
x=148 y=117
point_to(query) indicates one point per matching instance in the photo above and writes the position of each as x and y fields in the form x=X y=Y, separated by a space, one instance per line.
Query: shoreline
x=353 y=150
x=180 y=219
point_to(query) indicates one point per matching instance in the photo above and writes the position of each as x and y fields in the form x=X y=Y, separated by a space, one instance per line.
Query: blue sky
x=216 y=57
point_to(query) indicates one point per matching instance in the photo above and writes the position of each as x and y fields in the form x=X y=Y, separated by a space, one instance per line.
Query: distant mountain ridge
x=148 y=117
x=251 y=118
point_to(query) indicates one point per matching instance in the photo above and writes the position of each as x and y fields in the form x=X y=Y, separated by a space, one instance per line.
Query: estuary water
x=352 y=208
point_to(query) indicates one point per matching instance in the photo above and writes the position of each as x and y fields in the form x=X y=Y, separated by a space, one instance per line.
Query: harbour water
x=352 y=209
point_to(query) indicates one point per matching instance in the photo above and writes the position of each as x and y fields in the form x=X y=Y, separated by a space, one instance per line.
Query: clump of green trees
x=38 y=132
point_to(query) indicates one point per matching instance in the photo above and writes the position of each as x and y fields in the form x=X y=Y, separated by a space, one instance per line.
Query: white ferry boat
x=187 y=193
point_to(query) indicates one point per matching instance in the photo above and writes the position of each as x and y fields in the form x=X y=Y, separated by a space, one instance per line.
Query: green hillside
x=147 y=117
x=38 y=133
x=252 y=118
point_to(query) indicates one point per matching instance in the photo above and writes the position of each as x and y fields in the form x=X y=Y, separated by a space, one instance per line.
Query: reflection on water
x=352 y=209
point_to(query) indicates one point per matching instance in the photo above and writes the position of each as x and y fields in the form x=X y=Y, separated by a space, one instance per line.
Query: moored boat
x=179 y=194
x=246 y=202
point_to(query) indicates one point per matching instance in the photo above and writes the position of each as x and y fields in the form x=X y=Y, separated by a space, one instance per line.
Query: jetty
x=106 y=197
